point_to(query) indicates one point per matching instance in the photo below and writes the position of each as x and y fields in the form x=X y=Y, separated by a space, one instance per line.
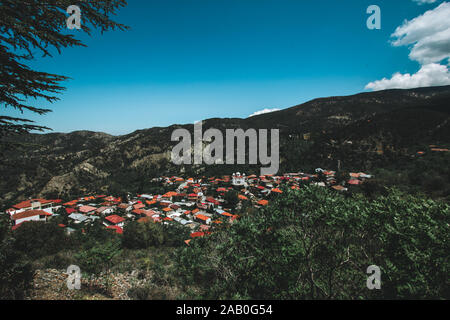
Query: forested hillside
x=367 y=131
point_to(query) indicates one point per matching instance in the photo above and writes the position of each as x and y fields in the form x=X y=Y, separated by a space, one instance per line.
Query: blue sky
x=187 y=60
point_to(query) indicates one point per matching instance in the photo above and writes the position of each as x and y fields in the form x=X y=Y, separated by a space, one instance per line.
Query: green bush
x=38 y=239
x=16 y=271
x=317 y=244
x=144 y=235
x=231 y=198
x=98 y=258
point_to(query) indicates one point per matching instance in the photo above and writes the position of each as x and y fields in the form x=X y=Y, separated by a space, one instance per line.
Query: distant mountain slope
x=352 y=129
x=324 y=113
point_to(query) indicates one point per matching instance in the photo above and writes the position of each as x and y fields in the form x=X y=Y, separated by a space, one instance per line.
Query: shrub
x=38 y=239
x=317 y=244
x=16 y=272
x=98 y=258
x=142 y=235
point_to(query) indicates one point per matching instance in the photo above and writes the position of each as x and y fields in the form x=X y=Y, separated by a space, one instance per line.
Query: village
x=199 y=204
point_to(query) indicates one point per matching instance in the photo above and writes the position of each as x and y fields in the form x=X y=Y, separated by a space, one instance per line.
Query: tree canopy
x=317 y=244
x=30 y=27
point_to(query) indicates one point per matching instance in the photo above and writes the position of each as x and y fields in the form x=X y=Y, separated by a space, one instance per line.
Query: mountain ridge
x=315 y=133
x=312 y=101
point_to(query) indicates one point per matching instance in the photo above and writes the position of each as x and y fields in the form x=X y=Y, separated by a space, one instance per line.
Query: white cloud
x=429 y=75
x=428 y=36
x=424 y=1
x=266 y=110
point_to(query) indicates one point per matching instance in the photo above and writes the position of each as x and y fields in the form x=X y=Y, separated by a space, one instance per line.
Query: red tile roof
x=70 y=210
x=139 y=206
x=138 y=211
x=30 y=213
x=197 y=234
x=202 y=217
x=71 y=203
x=27 y=203
x=212 y=200
x=124 y=206
x=227 y=214
x=115 y=219
x=101 y=209
x=170 y=194
x=86 y=209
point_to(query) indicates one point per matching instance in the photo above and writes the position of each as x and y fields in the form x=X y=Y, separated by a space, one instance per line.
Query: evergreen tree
x=29 y=27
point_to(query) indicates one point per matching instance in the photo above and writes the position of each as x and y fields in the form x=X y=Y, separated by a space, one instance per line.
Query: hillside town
x=199 y=204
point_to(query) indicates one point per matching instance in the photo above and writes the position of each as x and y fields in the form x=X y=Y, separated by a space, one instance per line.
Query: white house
x=105 y=210
x=78 y=217
x=34 y=204
x=30 y=215
x=238 y=179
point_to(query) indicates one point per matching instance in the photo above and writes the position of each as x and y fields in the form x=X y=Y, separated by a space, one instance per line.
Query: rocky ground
x=51 y=284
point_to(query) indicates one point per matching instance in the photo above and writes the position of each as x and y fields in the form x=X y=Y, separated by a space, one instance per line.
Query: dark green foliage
x=429 y=174
x=144 y=235
x=342 y=176
x=176 y=234
x=29 y=27
x=307 y=244
x=315 y=244
x=95 y=233
x=231 y=198
x=366 y=132
x=373 y=187
x=98 y=258
x=16 y=271
x=62 y=218
x=38 y=239
x=5 y=226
